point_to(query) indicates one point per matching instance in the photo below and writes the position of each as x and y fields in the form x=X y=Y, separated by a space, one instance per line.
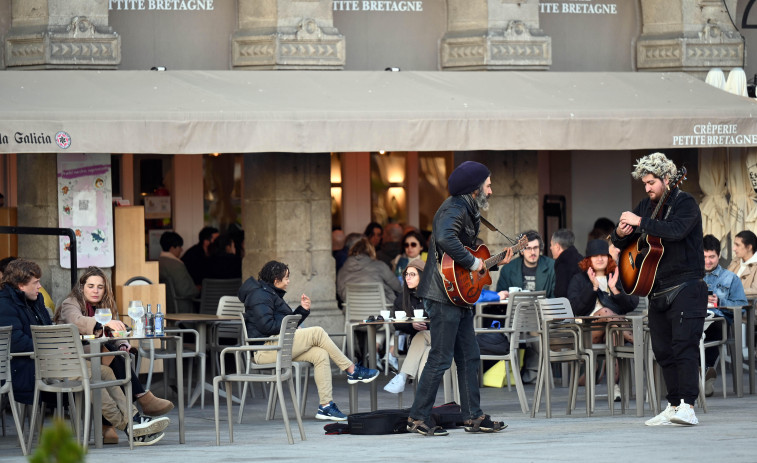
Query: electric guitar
x=639 y=260
x=464 y=286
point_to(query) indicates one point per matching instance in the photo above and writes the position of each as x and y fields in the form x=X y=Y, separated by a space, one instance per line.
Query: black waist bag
x=391 y=421
x=447 y=416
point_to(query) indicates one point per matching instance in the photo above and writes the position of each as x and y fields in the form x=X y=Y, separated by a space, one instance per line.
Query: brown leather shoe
x=110 y=436
x=154 y=406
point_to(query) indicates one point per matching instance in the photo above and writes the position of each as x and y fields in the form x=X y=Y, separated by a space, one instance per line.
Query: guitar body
x=638 y=265
x=464 y=286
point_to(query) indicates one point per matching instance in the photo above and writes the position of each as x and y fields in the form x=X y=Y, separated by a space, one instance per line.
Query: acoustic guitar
x=463 y=285
x=639 y=260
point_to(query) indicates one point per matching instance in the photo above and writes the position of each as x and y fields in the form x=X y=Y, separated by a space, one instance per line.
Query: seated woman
x=264 y=310
x=596 y=290
x=412 y=243
x=744 y=263
x=91 y=292
x=420 y=345
x=224 y=262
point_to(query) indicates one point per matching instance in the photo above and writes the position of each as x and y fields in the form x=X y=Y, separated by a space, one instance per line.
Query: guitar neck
x=493 y=260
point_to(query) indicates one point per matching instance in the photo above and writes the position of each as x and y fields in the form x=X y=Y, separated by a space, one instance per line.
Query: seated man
x=198 y=256
x=566 y=258
x=172 y=269
x=264 y=310
x=531 y=271
x=21 y=307
x=725 y=290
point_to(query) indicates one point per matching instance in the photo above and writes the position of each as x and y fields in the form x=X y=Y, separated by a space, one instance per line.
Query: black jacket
x=415 y=303
x=583 y=298
x=566 y=265
x=455 y=226
x=681 y=234
x=264 y=308
x=20 y=313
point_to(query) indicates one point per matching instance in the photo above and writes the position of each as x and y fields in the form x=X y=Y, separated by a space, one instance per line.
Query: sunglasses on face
x=411 y=244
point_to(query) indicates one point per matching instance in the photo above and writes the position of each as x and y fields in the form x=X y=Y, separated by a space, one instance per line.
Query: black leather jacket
x=264 y=308
x=681 y=234
x=456 y=225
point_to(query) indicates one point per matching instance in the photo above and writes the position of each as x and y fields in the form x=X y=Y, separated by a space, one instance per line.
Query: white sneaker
x=397 y=384
x=663 y=418
x=684 y=415
x=616 y=393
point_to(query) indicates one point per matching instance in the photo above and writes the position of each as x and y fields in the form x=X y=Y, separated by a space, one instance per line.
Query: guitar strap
x=670 y=206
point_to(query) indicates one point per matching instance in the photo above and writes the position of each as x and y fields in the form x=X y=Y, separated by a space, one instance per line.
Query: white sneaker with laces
x=684 y=415
x=397 y=384
x=663 y=418
x=393 y=362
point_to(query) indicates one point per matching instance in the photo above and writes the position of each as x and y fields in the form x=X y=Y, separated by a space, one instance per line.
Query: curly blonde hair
x=656 y=164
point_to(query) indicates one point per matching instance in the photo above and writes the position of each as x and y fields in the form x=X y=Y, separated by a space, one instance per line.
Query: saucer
x=422 y=319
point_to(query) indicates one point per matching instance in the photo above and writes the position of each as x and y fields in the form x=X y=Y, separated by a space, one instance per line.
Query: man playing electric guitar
x=455 y=226
x=678 y=300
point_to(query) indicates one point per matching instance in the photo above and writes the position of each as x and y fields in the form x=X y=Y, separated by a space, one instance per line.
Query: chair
x=60 y=367
x=175 y=304
x=147 y=349
x=562 y=341
x=212 y=291
x=625 y=354
x=7 y=387
x=362 y=301
x=301 y=374
x=282 y=371
x=525 y=322
x=721 y=345
x=227 y=330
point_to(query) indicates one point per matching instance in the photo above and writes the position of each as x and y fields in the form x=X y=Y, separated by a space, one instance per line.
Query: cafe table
x=201 y=321
x=738 y=356
x=97 y=393
x=371 y=328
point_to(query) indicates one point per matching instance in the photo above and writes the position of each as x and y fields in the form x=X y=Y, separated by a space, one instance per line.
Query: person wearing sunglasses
x=412 y=245
x=417 y=331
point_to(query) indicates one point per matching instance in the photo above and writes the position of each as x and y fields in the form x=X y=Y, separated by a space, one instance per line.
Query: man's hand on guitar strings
x=508 y=256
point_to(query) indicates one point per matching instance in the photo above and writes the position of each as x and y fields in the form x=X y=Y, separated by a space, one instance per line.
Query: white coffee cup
x=514 y=289
x=385 y=314
x=418 y=313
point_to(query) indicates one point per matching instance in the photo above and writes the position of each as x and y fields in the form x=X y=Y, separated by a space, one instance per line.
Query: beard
x=482 y=201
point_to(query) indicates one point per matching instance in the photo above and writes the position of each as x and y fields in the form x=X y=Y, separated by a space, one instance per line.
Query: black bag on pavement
x=390 y=421
x=447 y=416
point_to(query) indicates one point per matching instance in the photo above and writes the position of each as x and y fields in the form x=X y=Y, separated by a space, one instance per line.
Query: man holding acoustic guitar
x=670 y=221
x=449 y=289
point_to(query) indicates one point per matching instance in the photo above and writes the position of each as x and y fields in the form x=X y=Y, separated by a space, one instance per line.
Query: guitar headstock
x=520 y=244
x=678 y=179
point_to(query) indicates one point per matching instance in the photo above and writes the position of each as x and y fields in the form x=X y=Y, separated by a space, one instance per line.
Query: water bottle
x=159 y=323
x=149 y=322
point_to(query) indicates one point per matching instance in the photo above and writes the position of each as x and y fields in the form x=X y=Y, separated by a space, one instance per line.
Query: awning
x=175 y=112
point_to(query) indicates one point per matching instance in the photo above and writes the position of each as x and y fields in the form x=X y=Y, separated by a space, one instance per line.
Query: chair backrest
x=171 y=302
x=58 y=355
x=550 y=309
x=525 y=323
x=516 y=298
x=138 y=281
x=363 y=300
x=229 y=306
x=5 y=356
x=286 y=340
x=212 y=291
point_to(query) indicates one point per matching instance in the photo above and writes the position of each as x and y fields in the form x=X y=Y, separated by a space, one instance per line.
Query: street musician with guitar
x=449 y=306
x=667 y=228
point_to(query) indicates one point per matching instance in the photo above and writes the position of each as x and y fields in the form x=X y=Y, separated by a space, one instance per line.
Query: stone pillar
x=38 y=207
x=690 y=36
x=287 y=34
x=287 y=217
x=494 y=35
x=61 y=34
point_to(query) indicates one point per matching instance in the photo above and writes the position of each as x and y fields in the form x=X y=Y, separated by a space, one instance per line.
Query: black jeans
x=676 y=328
x=118 y=365
x=452 y=336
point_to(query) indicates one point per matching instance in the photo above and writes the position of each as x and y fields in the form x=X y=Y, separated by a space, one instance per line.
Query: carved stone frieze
x=516 y=46
x=77 y=45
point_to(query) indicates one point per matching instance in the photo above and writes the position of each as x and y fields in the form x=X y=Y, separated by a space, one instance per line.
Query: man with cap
x=455 y=226
x=678 y=298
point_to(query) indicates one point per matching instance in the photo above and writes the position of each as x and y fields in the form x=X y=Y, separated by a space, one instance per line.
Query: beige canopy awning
x=176 y=112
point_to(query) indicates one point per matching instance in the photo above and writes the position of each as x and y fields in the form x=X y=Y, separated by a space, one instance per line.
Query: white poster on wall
x=84 y=205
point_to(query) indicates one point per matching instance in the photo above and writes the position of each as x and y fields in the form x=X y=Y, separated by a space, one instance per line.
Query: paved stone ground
x=727 y=433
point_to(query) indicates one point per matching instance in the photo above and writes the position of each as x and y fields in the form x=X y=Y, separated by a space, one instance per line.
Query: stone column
x=494 y=35
x=61 y=34
x=690 y=36
x=287 y=34
x=287 y=217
